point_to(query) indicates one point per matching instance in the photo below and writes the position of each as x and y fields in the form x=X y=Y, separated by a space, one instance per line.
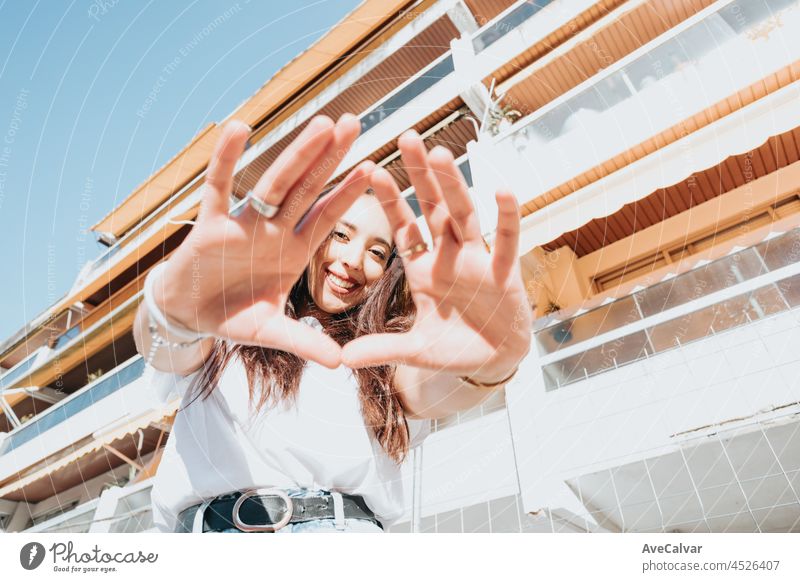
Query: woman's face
x=354 y=257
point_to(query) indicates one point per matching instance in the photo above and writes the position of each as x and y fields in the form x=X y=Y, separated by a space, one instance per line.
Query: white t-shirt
x=217 y=445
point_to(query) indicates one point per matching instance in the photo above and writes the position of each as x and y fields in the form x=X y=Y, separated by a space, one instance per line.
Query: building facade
x=654 y=147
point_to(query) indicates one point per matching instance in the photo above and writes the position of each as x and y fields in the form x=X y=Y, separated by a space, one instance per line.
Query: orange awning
x=126 y=428
x=285 y=84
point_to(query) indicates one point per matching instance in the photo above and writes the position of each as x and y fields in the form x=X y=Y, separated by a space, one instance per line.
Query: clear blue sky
x=78 y=131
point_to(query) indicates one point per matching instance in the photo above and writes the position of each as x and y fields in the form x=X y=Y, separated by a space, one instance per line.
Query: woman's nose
x=352 y=256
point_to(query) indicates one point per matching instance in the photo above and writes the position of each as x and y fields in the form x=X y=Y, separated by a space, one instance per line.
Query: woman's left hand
x=473 y=316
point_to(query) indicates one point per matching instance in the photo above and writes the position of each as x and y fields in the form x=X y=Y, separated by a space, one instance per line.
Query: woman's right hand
x=231 y=276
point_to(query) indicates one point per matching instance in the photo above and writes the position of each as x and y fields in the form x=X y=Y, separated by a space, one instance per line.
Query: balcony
x=251 y=165
x=117 y=510
x=738 y=289
x=702 y=364
x=74 y=404
x=76 y=520
x=83 y=335
x=705 y=60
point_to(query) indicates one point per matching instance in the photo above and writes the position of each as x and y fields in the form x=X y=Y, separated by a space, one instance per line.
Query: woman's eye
x=339 y=234
x=379 y=253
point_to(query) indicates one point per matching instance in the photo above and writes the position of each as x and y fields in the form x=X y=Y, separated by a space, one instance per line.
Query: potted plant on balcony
x=94 y=375
x=561 y=332
x=501 y=118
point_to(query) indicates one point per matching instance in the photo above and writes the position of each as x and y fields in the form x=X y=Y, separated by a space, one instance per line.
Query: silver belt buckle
x=272 y=527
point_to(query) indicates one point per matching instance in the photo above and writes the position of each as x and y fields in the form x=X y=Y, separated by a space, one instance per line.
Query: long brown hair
x=387 y=308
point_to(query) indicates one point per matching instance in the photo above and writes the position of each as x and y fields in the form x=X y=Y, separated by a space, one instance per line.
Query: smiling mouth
x=339 y=285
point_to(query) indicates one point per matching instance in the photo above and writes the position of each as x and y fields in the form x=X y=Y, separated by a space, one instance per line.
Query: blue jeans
x=327 y=525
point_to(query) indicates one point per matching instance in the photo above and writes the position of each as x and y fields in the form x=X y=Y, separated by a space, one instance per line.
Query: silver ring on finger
x=265 y=209
x=417 y=248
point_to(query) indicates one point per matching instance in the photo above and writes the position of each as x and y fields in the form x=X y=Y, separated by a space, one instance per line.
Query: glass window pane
x=782 y=250
x=497 y=30
x=8 y=378
x=505 y=515
x=476 y=518
x=719 y=317
x=428 y=524
x=700 y=282
x=790 y=289
x=407 y=93
x=449 y=522
x=604 y=357
x=587 y=325
x=135 y=511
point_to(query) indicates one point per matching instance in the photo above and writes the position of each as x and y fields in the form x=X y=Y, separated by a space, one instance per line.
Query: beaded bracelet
x=155 y=318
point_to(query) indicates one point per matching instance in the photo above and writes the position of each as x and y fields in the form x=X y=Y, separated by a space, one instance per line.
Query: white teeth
x=341 y=282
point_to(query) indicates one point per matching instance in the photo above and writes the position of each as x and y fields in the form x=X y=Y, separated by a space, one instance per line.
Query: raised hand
x=472 y=314
x=231 y=276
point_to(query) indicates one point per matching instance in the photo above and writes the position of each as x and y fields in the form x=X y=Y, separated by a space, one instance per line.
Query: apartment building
x=655 y=149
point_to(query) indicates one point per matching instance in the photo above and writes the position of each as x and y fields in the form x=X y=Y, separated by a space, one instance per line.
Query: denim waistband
x=301 y=492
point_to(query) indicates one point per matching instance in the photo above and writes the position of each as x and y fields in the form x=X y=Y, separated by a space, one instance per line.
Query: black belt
x=263 y=511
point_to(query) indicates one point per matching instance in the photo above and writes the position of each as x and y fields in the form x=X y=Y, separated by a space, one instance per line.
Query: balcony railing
x=133 y=512
x=507 y=21
x=108 y=253
x=709 y=57
x=10 y=376
x=397 y=99
x=408 y=91
x=744 y=286
x=75 y=403
x=98 y=323
x=76 y=520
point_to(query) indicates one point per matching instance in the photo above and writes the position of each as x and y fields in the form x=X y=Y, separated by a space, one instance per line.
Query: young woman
x=312 y=339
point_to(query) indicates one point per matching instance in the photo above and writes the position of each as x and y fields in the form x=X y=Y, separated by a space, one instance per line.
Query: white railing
x=746 y=285
x=125 y=510
x=707 y=58
x=116 y=379
x=43 y=361
x=77 y=520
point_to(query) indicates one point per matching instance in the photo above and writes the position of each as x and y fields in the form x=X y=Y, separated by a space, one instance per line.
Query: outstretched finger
x=506 y=248
x=282 y=333
x=295 y=161
x=304 y=193
x=463 y=219
x=219 y=175
x=399 y=213
x=426 y=184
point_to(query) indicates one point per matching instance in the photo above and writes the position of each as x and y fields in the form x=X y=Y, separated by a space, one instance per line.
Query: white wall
x=634 y=411
x=467 y=464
